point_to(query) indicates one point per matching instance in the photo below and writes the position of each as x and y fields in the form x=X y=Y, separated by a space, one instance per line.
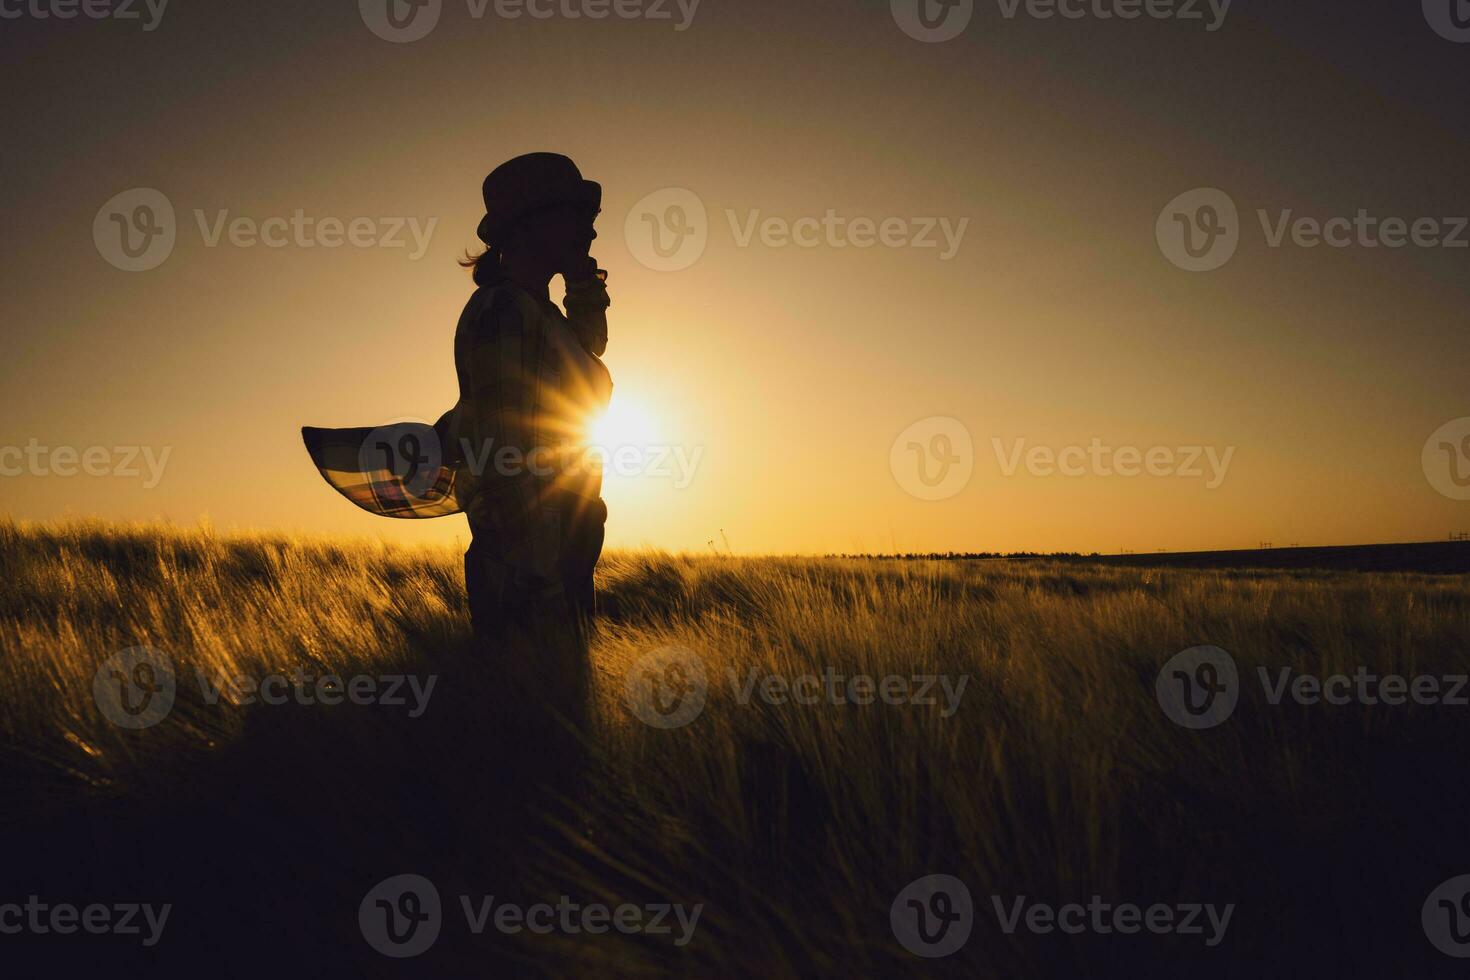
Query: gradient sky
x=1059 y=320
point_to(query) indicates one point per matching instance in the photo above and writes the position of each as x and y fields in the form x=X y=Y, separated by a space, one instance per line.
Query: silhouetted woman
x=530 y=379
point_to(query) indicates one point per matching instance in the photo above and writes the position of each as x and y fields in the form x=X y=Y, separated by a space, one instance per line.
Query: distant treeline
x=969 y=555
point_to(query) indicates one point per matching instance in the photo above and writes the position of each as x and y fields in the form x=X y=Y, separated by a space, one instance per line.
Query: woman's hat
x=527 y=183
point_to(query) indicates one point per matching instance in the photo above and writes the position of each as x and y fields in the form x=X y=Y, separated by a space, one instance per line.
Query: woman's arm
x=587 y=304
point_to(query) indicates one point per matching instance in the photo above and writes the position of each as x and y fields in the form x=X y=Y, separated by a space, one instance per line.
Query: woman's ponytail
x=485 y=267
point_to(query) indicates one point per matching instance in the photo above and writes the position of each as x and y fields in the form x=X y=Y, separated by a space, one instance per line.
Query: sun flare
x=624 y=423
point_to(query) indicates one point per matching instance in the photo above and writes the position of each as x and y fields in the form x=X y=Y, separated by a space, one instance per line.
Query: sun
x=625 y=423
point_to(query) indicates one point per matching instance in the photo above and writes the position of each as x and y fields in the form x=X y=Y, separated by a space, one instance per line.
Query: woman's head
x=556 y=237
x=548 y=241
x=539 y=215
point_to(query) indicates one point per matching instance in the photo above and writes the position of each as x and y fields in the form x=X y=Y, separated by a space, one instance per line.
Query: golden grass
x=1058 y=776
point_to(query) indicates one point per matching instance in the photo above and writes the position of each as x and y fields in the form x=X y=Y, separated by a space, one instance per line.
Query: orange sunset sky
x=786 y=371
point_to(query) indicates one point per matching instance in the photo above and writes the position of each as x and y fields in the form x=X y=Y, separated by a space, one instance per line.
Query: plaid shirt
x=525 y=397
x=518 y=389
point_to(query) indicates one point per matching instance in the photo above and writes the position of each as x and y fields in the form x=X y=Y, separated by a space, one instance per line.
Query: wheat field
x=1055 y=776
